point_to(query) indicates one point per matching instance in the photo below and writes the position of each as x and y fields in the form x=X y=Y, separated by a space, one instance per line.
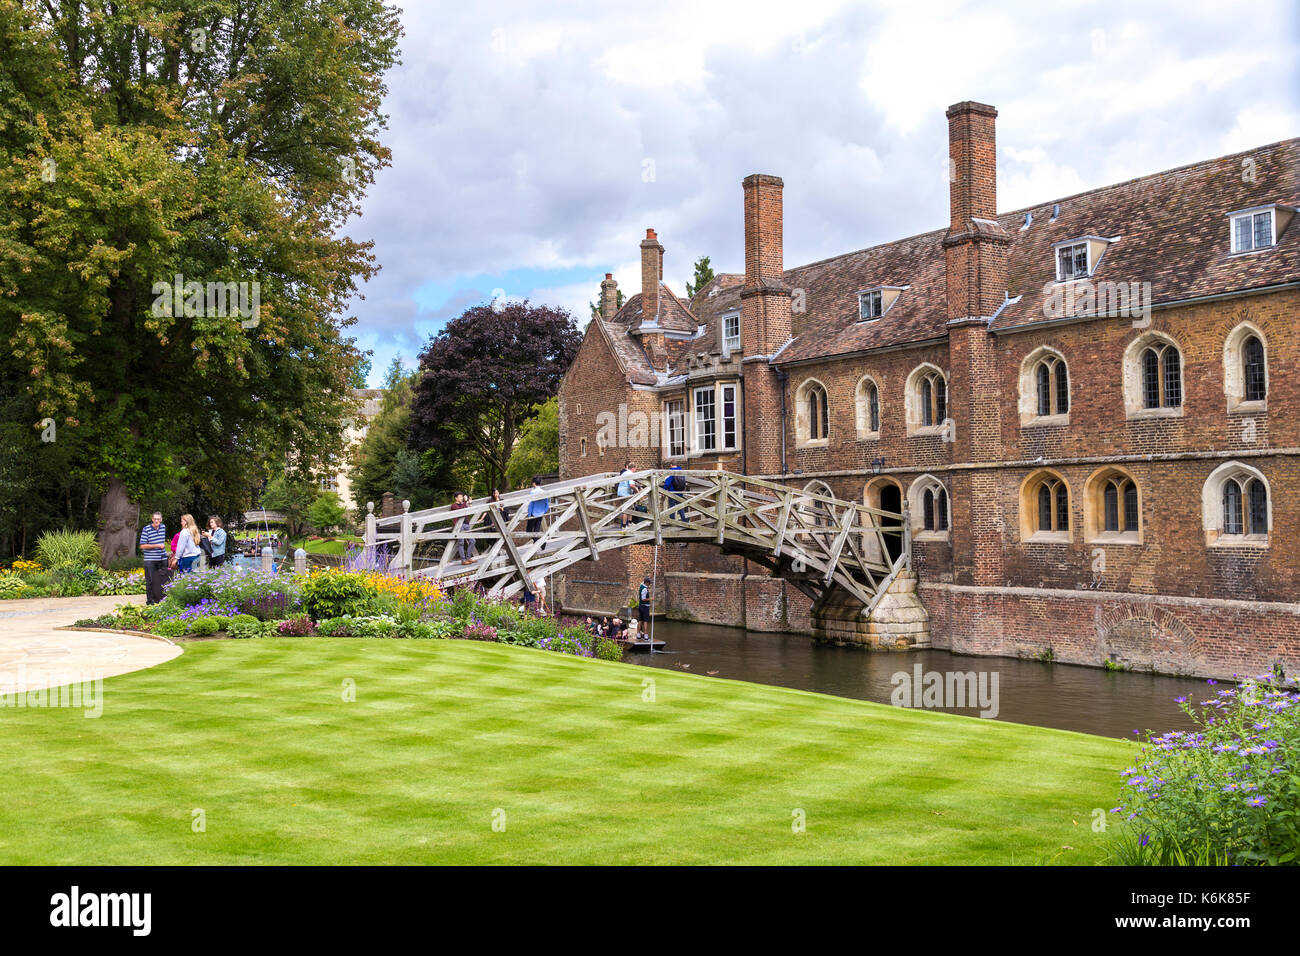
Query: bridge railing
x=814 y=540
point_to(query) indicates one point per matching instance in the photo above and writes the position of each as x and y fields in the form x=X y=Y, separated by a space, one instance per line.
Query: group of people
x=186 y=546
x=626 y=488
x=616 y=629
x=466 y=550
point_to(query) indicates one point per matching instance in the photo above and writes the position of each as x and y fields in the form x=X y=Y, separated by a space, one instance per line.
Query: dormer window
x=870 y=305
x=1253 y=229
x=873 y=303
x=1073 y=262
x=730 y=333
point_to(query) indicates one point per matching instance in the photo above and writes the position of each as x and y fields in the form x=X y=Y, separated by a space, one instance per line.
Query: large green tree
x=482 y=375
x=149 y=144
x=537 y=450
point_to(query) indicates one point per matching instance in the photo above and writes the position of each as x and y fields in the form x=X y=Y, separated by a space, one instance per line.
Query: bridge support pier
x=899 y=622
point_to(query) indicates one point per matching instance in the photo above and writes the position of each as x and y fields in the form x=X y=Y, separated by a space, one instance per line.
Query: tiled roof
x=1172 y=229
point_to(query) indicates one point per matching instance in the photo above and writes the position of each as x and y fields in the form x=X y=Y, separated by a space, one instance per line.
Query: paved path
x=34 y=655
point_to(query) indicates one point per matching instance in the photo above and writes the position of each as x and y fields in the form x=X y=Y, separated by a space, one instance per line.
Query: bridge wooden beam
x=581 y=500
x=520 y=565
x=845 y=524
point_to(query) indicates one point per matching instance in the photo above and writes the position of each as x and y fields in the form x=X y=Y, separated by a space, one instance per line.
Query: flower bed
x=29 y=579
x=342 y=603
x=1225 y=793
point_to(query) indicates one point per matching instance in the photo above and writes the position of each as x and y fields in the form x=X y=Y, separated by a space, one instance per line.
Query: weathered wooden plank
x=581 y=502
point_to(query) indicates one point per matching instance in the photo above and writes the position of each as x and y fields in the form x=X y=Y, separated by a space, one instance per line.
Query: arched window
x=812 y=413
x=819 y=423
x=1121 y=504
x=1045 y=507
x=1252 y=360
x=868 y=408
x=1053 y=386
x=934 y=503
x=928 y=503
x=927 y=398
x=1235 y=505
x=1044 y=387
x=1162 y=376
x=1112 y=507
x=1153 y=376
x=1245 y=367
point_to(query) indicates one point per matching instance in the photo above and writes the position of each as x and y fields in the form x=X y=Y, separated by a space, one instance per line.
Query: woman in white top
x=187 y=545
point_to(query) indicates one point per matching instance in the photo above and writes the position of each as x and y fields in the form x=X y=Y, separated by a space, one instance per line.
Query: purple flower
x=1258 y=801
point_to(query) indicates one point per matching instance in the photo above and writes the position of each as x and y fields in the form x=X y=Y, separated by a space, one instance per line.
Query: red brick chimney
x=765 y=322
x=975 y=254
x=652 y=273
x=608 y=297
x=976 y=246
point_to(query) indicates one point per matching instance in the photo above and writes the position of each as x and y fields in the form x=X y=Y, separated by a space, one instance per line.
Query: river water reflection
x=1086 y=699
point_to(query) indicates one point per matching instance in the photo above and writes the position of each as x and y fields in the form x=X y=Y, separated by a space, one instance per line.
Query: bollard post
x=408 y=559
x=266 y=558
x=300 y=561
x=371 y=539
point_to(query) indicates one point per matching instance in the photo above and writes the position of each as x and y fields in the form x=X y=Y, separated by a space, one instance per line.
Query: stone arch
x=804 y=414
x=915 y=396
x=1234 y=367
x=884 y=494
x=1059 y=381
x=862 y=406
x=1213 y=517
x=929 y=506
x=1134 y=401
x=1031 y=506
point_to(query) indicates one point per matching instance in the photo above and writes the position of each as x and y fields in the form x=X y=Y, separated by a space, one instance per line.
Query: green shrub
x=10 y=585
x=104 y=620
x=126 y=564
x=85 y=622
x=337 y=594
x=172 y=628
x=336 y=627
x=133 y=617
x=205 y=626
x=59 y=550
x=244 y=629
x=608 y=650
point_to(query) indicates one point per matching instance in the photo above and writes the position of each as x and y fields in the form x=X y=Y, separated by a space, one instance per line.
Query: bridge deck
x=816 y=542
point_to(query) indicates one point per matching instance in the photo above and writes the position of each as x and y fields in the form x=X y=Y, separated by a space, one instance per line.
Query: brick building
x=1090 y=409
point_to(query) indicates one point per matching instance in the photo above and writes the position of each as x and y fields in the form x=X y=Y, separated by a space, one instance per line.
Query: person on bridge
x=465 y=549
x=538 y=505
x=676 y=483
x=625 y=489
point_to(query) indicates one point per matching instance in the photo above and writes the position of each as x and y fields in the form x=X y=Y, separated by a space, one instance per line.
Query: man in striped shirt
x=153 y=547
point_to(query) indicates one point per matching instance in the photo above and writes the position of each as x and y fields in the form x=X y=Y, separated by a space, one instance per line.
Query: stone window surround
x=1029 y=388
x=1028 y=497
x=1234 y=372
x=916 y=508
x=1212 y=506
x=1094 y=508
x=801 y=422
x=1134 y=407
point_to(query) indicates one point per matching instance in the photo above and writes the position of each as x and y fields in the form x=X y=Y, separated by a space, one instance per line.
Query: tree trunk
x=119 y=520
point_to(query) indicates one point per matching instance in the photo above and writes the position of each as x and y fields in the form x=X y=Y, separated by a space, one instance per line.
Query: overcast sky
x=534 y=144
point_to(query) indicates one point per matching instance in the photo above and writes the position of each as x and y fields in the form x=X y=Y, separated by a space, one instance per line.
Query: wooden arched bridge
x=828 y=548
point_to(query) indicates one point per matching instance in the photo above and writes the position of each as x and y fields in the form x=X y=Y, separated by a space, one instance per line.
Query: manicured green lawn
x=443 y=734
